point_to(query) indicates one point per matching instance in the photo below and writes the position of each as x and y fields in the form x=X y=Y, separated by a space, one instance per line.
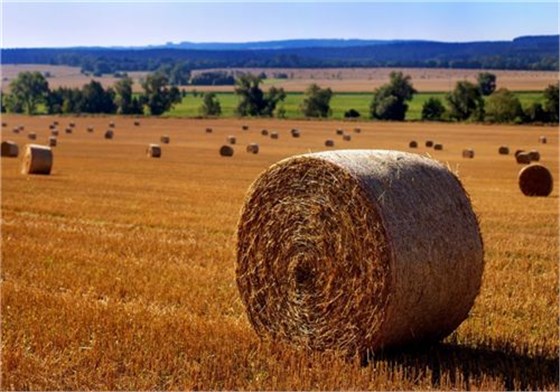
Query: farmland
x=118 y=270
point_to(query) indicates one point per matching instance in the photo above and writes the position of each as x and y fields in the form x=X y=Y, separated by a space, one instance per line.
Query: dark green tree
x=316 y=102
x=95 y=99
x=253 y=101
x=503 y=106
x=433 y=109
x=27 y=90
x=351 y=113
x=389 y=100
x=551 y=102
x=157 y=96
x=536 y=113
x=64 y=100
x=210 y=105
x=466 y=102
x=486 y=83
x=123 y=95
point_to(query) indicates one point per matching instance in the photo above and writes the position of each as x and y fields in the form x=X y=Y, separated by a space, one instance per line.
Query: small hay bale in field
x=208 y=130
x=111 y=124
x=413 y=144
x=136 y=123
x=54 y=132
x=4 y=124
x=468 y=153
x=535 y=155
x=264 y=132
x=329 y=143
x=32 y=136
x=295 y=132
x=109 y=134
x=9 y=149
x=358 y=249
x=15 y=130
x=429 y=143
x=347 y=137
x=245 y=127
x=72 y=125
x=357 y=130
x=503 y=150
x=90 y=129
x=274 y=135
x=55 y=123
x=523 y=158
x=37 y=159
x=21 y=128
x=52 y=126
x=68 y=130
x=340 y=131
x=253 y=148
x=231 y=139
x=535 y=180
x=154 y=151
x=542 y=139
x=164 y=139
x=438 y=146
x=226 y=151
x=52 y=141
x=517 y=152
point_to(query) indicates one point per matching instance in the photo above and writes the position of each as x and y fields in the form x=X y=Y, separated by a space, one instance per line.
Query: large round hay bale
x=295 y=132
x=109 y=134
x=154 y=151
x=231 y=139
x=358 y=249
x=468 y=153
x=329 y=143
x=523 y=158
x=264 y=132
x=32 y=136
x=164 y=139
x=542 y=139
x=413 y=144
x=226 y=151
x=347 y=137
x=253 y=148
x=535 y=180
x=438 y=146
x=274 y=135
x=429 y=143
x=52 y=141
x=37 y=160
x=208 y=130
x=9 y=149
x=340 y=131
x=535 y=155
x=54 y=132
x=503 y=150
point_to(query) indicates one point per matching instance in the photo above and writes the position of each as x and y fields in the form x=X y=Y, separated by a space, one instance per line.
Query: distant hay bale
x=9 y=149
x=535 y=155
x=226 y=151
x=37 y=159
x=253 y=148
x=52 y=126
x=90 y=129
x=535 y=180
x=52 y=141
x=358 y=249
x=4 y=125
x=72 y=125
x=21 y=128
x=274 y=135
x=468 y=153
x=136 y=123
x=154 y=151
x=357 y=130
x=340 y=131
x=32 y=136
x=55 y=123
x=109 y=134
x=68 y=130
x=111 y=124
x=15 y=130
x=523 y=158
x=429 y=143
x=413 y=144
x=517 y=152
x=503 y=150
x=231 y=139
x=438 y=146
x=542 y=139
x=164 y=139
x=208 y=130
x=329 y=143
x=295 y=132
x=264 y=132
x=245 y=127
x=347 y=137
x=54 y=132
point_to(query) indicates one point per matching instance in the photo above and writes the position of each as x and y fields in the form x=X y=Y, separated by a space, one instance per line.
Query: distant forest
x=523 y=53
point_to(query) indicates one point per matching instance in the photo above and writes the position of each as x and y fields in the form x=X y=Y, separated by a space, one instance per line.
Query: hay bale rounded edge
x=252 y=148
x=329 y=143
x=358 y=249
x=226 y=151
x=535 y=180
x=37 y=159
x=413 y=144
x=503 y=150
x=523 y=158
x=154 y=151
x=9 y=149
x=468 y=153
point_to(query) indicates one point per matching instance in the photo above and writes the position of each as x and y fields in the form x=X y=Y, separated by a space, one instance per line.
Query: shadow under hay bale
x=264 y=132
x=535 y=155
x=429 y=143
x=438 y=146
x=37 y=159
x=109 y=134
x=52 y=141
x=413 y=144
x=375 y=216
x=329 y=143
x=164 y=139
x=468 y=153
x=523 y=158
x=154 y=151
x=503 y=150
x=535 y=180
x=231 y=139
x=226 y=151
x=253 y=148
x=9 y=149
x=274 y=135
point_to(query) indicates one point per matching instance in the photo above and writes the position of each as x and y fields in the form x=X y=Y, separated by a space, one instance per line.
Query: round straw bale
x=347 y=137
x=90 y=129
x=358 y=249
x=535 y=180
x=413 y=144
x=52 y=141
x=68 y=130
x=295 y=132
x=517 y=152
x=503 y=150
x=54 y=132
x=231 y=139
x=208 y=130
x=264 y=132
x=164 y=139
x=9 y=149
x=329 y=143
x=468 y=153
x=154 y=151
x=136 y=123
x=109 y=134
x=72 y=125
x=542 y=139
x=55 y=123
x=245 y=127
x=523 y=158
x=111 y=124
x=52 y=126
x=274 y=135
x=226 y=151
x=253 y=148
x=535 y=155
x=32 y=136
x=4 y=124
x=37 y=159
x=15 y=130
x=21 y=128
x=357 y=130
x=340 y=131
x=438 y=146
x=429 y=143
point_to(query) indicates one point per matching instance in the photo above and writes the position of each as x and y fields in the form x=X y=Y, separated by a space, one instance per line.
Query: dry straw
x=253 y=148
x=517 y=152
x=37 y=159
x=109 y=134
x=468 y=153
x=4 y=124
x=154 y=151
x=9 y=149
x=535 y=180
x=503 y=150
x=52 y=141
x=164 y=139
x=72 y=125
x=329 y=143
x=358 y=249
x=231 y=139
x=429 y=143
x=226 y=151
x=413 y=144
x=523 y=157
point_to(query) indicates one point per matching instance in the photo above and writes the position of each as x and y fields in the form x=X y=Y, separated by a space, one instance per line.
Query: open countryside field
x=118 y=271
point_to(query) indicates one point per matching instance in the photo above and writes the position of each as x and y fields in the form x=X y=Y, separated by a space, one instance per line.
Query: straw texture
x=37 y=159
x=357 y=250
x=535 y=180
x=9 y=149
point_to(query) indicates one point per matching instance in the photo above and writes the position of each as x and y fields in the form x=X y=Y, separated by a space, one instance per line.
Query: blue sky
x=71 y=23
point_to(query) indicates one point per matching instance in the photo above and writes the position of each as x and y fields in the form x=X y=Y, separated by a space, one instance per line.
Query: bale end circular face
x=226 y=151
x=37 y=159
x=535 y=180
x=325 y=259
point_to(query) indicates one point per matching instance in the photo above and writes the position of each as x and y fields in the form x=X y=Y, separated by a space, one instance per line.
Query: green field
x=340 y=103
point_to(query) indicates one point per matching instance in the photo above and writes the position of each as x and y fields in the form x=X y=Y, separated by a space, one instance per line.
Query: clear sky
x=72 y=23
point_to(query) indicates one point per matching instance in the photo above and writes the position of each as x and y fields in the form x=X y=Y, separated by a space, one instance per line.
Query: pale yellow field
x=118 y=271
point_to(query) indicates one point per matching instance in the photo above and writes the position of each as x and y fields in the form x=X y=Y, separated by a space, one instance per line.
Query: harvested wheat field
x=118 y=271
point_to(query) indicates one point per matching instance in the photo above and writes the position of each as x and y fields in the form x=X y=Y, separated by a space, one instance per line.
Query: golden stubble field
x=118 y=271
